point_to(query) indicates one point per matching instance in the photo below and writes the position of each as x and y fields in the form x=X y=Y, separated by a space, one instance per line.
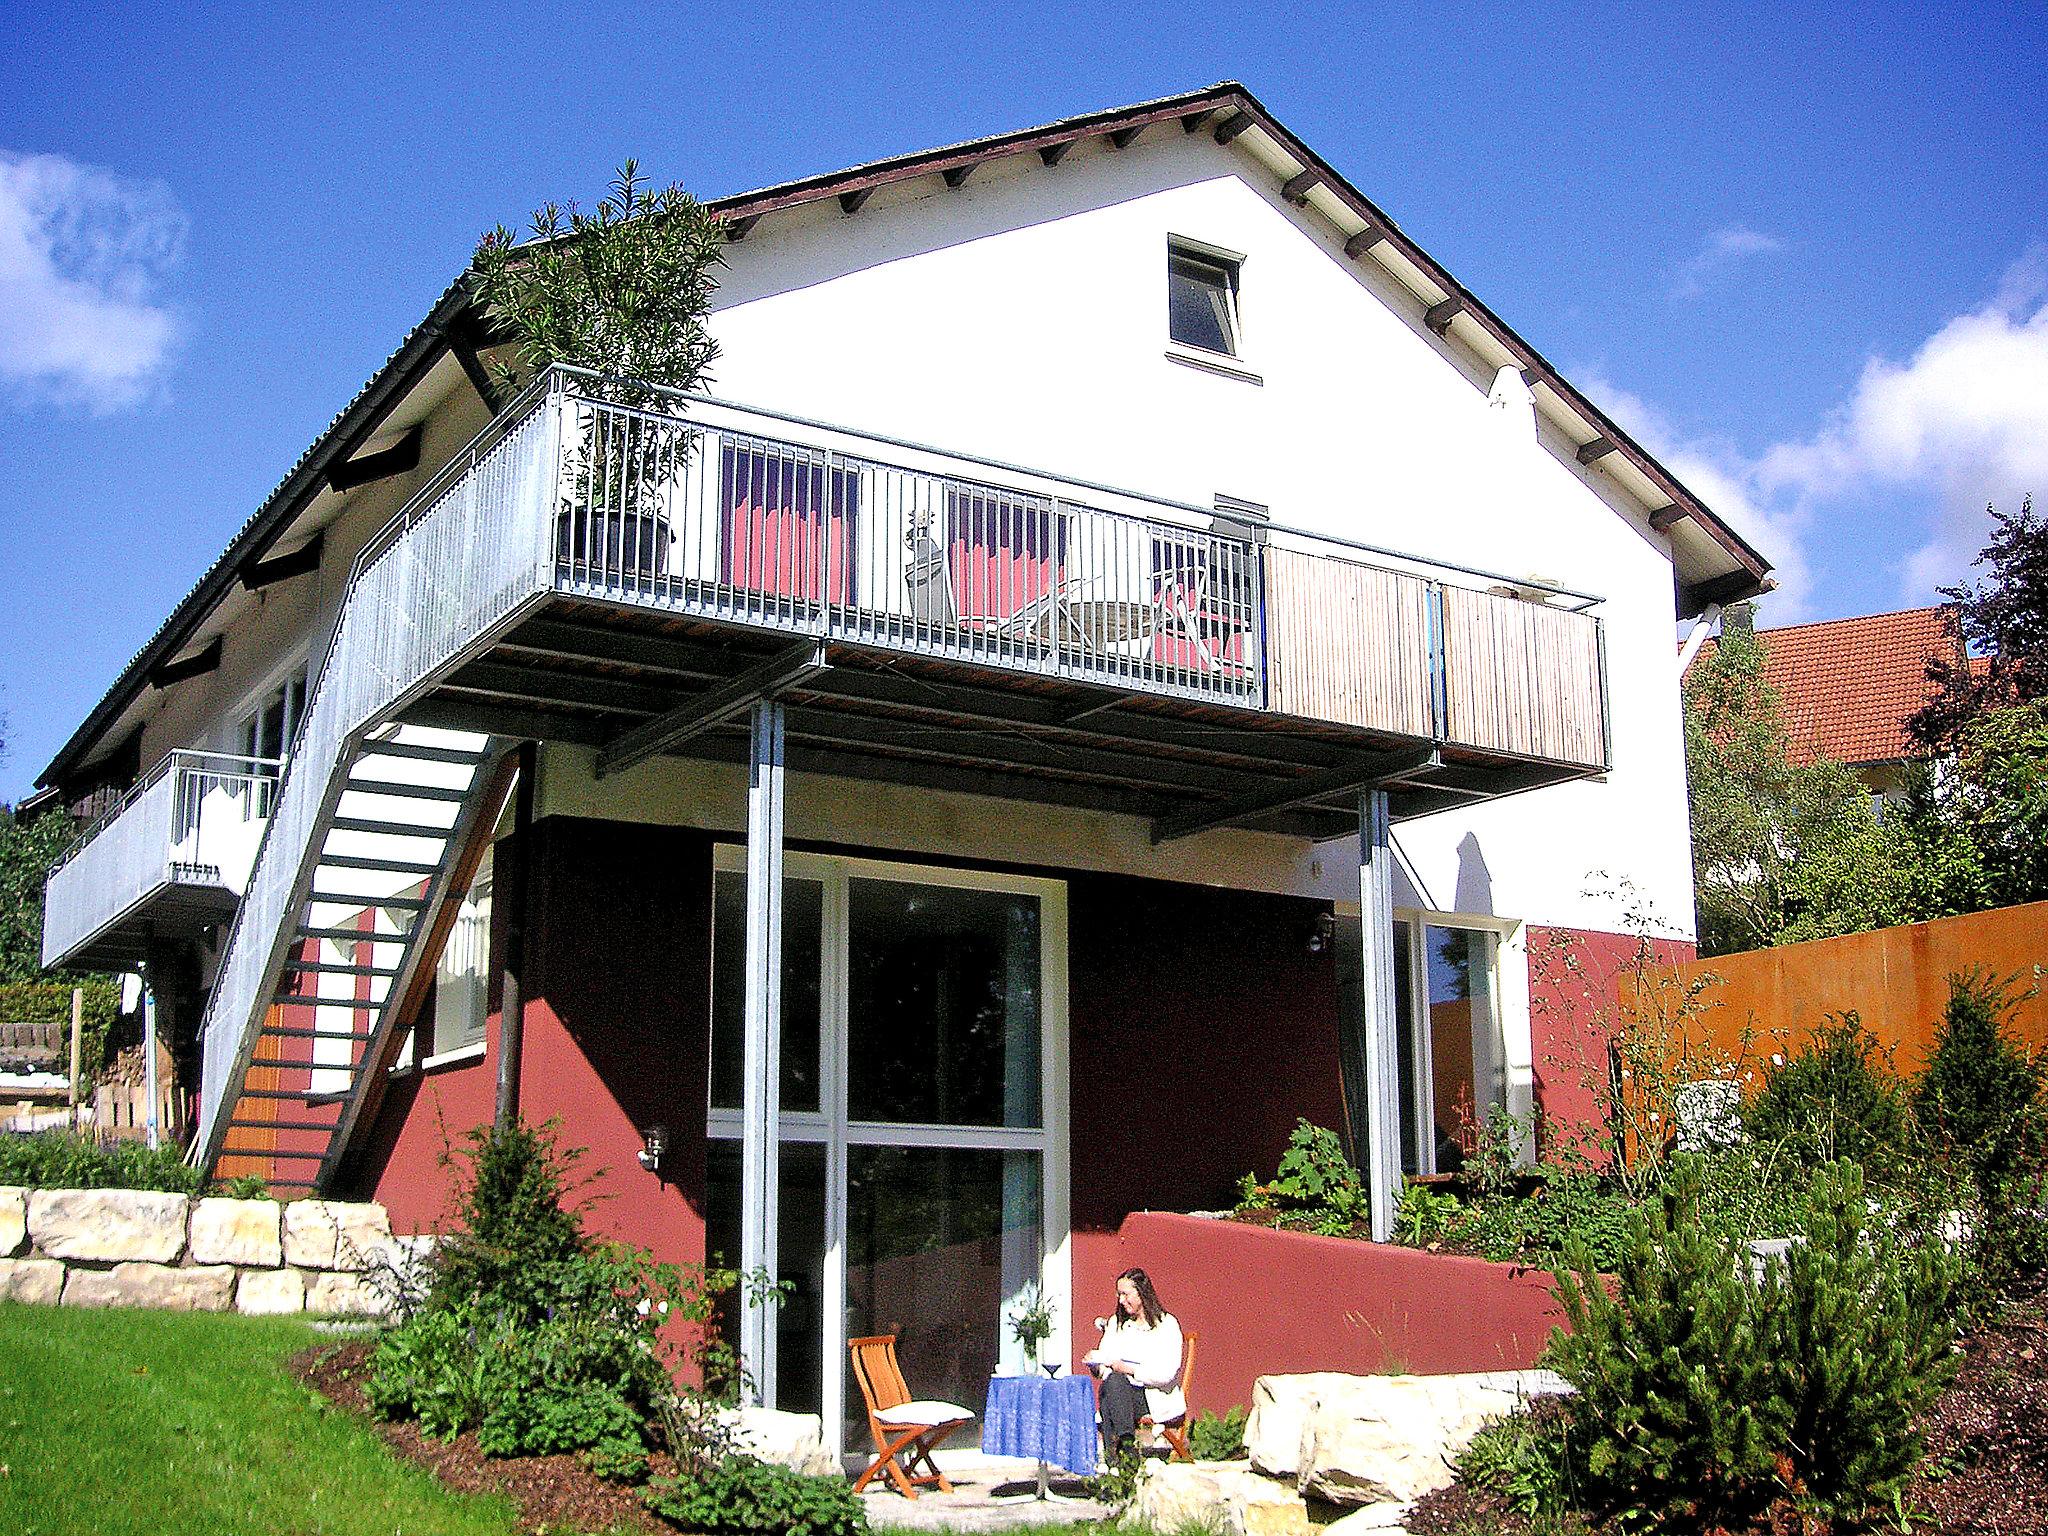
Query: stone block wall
x=139 y=1248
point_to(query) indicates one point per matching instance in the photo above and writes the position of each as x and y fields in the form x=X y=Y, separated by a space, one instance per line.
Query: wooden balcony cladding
x=1522 y=678
x=1347 y=643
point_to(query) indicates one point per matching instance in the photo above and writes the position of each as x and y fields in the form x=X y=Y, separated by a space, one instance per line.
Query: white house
x=917 y=806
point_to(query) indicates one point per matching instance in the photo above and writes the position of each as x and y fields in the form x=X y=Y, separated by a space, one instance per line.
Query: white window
x=1201 y=298
x=462 y=980
x=270 y=728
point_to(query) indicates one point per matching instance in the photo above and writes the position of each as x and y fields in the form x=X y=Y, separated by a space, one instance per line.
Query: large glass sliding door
x=923 y=1152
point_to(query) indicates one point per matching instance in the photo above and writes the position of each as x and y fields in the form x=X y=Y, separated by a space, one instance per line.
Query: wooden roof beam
x=1664 y=519
x=198 y=664
x=740 y=226
x=1438 y=317
x=302 y=561
x=1232 y=126
x=956 y=175
x=400 y=457
x=1599 y=448
x=1124 y=138
x=1054 y=153
x=852 y=202
x=1297 y=188
x=1364 y=241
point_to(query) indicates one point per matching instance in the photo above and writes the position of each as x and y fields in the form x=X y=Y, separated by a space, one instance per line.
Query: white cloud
x=1965 y=420
x=82 y=252
x=1723 y=249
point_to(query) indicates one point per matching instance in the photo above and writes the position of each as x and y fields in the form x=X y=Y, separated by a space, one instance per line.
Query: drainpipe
x=1709 y=617
x=150 y=1130
x=512 y=1003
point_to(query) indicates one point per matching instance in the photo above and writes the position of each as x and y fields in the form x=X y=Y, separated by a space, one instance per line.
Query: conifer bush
x=1837 y=1099
x=1710 y=1385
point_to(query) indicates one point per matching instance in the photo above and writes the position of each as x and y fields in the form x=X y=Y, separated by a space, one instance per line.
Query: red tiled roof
x=1848 y=686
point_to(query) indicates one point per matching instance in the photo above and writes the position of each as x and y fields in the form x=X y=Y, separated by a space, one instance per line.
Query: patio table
x=1049 y=1418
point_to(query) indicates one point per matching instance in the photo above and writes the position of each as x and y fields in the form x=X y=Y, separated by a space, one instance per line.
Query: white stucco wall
x=1023 y=317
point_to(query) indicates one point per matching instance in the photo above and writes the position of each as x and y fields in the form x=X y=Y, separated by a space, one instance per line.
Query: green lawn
x=163 y=1424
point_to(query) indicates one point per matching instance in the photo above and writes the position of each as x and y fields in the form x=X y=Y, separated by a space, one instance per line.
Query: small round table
x=1051 y=1418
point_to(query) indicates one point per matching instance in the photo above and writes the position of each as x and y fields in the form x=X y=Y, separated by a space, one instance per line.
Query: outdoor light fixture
x=653 y=1142
x=1321 y=932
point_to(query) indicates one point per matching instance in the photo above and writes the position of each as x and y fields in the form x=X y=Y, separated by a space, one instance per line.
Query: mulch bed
x=553 y=1493
x=1986 y=1472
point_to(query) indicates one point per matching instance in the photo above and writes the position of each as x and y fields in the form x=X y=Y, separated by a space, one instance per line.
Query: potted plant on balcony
x=622 y=291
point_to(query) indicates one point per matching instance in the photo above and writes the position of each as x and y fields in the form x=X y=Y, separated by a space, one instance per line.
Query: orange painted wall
x=1895 y=978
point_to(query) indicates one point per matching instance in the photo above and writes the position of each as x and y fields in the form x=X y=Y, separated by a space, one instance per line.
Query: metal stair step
x=420 y=752
x=355 y=936
x=286 y=1064
x=396 y=903
x=378 y=828
x=279 y=1125
x=303 y=1157
x=399 y=791
x=335 y=968
x=381 y=866
x=287 y=1032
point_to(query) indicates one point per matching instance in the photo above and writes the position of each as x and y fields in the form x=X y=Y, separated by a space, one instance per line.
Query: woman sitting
x=1138 y=1362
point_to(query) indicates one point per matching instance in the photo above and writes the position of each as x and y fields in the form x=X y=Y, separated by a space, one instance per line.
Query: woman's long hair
x=1148 y=1299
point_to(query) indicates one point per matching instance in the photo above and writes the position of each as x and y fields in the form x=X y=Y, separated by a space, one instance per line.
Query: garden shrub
x=529 y=1332
x=1706 y=1391
x=67 y=1160
x=1316 y=1186
x=742 y=1496
x=1837 y=1099
x=1525 y=1459
x=1217 y=1436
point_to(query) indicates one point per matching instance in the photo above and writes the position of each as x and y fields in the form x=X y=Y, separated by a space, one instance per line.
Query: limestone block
x=201 y=1288
x=236 y=1232
x=1280 y=1405
x=270 y=1292
x=333 y=1234
x=36 y=1281
x=13 y=1219
x=1394 y=1438
x=794 y=1440
x=107 y=1225
x=1388 y=1517
x=339 y=1294
x=1219 y=1495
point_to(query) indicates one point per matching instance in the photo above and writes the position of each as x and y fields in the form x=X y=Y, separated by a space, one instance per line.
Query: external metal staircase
x=372 y=817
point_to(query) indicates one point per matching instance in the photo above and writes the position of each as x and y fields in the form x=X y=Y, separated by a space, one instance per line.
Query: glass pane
x=800 y=1259
x=803 y=916
x=1199 y=304
x=1466 y=1077
x=939 y=1244
x=1404 y=1047
x=942 y=1005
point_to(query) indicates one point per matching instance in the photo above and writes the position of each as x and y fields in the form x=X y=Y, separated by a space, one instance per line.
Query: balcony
x=169 y=858
x=979 y=625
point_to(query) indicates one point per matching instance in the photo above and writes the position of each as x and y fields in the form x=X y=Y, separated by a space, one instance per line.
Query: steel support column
x=1376 y=992
x=761 y=1097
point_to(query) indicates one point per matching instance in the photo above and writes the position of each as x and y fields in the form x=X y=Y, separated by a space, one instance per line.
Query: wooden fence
x=1895 y=979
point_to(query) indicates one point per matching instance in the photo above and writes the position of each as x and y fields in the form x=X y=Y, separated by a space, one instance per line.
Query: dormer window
x=1201 y=298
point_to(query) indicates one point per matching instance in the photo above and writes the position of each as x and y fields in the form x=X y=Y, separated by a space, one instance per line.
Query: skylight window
x=1201 y=299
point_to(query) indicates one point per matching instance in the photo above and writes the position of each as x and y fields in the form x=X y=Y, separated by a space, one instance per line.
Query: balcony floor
x=176 y=910
x=584 y=672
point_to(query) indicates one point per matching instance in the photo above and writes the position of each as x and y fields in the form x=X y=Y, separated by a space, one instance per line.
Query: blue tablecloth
x=1049 y=1418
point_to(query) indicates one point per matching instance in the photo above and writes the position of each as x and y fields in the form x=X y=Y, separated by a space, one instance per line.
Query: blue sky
x=1802 y=250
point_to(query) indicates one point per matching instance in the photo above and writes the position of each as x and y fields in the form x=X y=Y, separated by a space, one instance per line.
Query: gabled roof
x=1712 y=562
x=1848 y=686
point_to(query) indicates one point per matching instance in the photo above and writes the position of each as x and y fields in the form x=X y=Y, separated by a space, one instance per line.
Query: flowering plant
x=1031 y=1321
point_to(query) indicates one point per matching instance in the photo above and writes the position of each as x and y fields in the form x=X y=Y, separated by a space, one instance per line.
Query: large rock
x=1389 y=1517
x=37 y=1281
x=202 y=1288
x=339 y=1294
x=1218 y=1495
x=334 y=1234
x=108 y=1225
x=270 y=1292
x=794 y=1440
x=236 y=1232
x=13 y=1219
x=1280 y=1405
x=1380 y=1439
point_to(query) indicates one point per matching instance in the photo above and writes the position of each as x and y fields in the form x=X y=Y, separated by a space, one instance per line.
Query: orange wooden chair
x=906 y=1430
x=1175 y=1431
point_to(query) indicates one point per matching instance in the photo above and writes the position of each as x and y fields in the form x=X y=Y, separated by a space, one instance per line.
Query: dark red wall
x=617 y=977
x=1272 y=1303
x=1572 y=975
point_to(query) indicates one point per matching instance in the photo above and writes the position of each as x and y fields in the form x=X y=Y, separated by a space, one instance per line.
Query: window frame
x=1229 y=265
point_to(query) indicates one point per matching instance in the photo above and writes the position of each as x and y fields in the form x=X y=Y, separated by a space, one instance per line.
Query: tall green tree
x=1782 y=850
x=28 y=847
x=2000 y=658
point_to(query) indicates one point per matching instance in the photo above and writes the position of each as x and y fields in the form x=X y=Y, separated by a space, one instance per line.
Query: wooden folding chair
x=906 y=1430
x=1175 y=1431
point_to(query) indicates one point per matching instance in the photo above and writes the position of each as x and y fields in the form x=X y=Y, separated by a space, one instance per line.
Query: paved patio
x=990 y=1493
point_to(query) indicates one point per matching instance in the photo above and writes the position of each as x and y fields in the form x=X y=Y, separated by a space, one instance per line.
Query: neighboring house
x=1848 y=687
x=1067 y=768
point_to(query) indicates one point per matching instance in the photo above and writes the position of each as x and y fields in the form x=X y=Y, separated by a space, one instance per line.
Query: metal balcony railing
x=195 y=819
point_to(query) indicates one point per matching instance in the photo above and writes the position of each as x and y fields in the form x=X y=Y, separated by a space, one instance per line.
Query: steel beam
x=761 y=1093
x=776 y=675
x=1382 y=1050
x=1388 y=768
